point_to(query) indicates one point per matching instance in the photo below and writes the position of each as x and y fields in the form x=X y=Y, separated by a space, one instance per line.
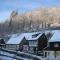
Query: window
x=56 y=45
x=30 y=42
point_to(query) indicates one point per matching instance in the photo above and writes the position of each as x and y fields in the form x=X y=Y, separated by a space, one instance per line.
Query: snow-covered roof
x=29 y=36
x=55 y=37
x=15 y=39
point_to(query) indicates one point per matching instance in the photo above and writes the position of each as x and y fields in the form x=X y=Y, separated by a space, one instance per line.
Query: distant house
x=53 y=47
x=37 y=41
x=2 y=43
x=16 y=42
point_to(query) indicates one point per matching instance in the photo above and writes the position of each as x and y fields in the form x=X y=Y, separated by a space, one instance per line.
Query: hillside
x=32 y=21
x=42 y=14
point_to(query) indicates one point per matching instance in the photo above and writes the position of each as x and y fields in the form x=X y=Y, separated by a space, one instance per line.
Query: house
x=2 y=43
x=16 y=42
x=53 y=47
x=37 y=41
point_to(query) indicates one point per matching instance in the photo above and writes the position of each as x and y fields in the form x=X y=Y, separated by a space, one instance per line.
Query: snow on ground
x=6 y=56
x=31 y=55
x=9 y=56
x=52 y=58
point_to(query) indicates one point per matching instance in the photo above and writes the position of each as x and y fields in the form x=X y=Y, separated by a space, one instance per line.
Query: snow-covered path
x=7 y=56
x=13 y=55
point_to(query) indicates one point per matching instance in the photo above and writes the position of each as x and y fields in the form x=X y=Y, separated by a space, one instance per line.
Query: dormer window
x=35 y=35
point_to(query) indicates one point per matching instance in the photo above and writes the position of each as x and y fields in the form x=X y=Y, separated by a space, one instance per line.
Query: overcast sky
x=6 y=6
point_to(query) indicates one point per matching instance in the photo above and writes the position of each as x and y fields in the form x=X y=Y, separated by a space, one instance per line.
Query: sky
x=7 y=6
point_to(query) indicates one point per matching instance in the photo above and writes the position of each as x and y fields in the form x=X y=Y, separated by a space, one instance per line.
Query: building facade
x=37 y=41
x=53 y=47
